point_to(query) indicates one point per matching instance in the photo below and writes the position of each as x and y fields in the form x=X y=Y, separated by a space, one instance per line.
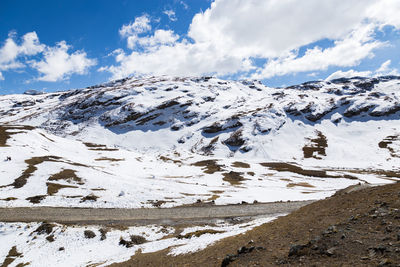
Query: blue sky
x=59 y=45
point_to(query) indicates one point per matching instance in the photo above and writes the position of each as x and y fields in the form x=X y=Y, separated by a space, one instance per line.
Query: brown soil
x=53 y=188
x=238 y=164
x=287 y=167
x=32 y=162
x=299 y=184
x=108 y=159
x=360 y=228
x=316 y=147
x=99 y=147
x=385 y=143
x=66 y=175
x=234 y=178
x=199 y=233
x=5 y=135
x=12 y=255
x=89 y=198
x=210 y=166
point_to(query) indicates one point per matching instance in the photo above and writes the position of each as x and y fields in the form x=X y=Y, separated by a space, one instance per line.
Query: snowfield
x=60 y=245
x=167 y=141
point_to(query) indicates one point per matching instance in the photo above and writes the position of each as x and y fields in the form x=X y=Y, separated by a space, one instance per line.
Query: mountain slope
x=209 y=116
x=167 y=141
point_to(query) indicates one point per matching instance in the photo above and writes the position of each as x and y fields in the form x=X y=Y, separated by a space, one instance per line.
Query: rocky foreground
x=360 y=228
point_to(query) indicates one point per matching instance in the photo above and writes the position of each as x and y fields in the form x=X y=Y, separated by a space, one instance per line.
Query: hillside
x=359 y=228
x=167 y=141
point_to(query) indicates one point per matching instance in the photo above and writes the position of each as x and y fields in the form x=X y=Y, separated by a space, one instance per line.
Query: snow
x=142 y=162
x=81 y=251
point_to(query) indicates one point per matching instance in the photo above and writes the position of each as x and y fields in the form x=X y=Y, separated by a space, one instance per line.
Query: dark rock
x=103 y=233
x=331 y=251
x=89 y=234
x=228 y=259
x=50 y=238
x=385 y=262
x=244 y=250
x=135 y=240
x=297 y=250
x=45 y=228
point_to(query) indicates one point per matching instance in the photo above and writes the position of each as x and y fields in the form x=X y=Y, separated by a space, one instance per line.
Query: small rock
x=385 y=262
x=244 y=250
x=89 y=234
x=61 y=249
x=296 y=250
x=228 y=259
x=331 y=251
x=50 y=238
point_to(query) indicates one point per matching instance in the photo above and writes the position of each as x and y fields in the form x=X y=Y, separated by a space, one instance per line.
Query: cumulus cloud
x=140 y=25
x=384 y=69
x=11 y=51
x=345 y=53
x=171 y=14
x=132 y=30
x=348 y=74
x=226 y=37
x=57 y=64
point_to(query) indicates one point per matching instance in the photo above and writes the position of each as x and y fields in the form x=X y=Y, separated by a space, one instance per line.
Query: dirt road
x=143 y=216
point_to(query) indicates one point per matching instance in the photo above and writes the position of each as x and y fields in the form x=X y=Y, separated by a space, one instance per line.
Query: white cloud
x=227 y=36
x=270 y=28
x=185 y=6
x=58 y=65
x=171 y=14
x=160 y=37
x=11 y=51
x=384 y=69
x=132 y=30
x=140 y=25
x=386 y=12
x=348 y=74
x=345 y=53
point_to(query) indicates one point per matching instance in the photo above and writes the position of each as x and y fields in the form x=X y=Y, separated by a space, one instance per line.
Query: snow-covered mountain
x=138 y=141
x=341 y=119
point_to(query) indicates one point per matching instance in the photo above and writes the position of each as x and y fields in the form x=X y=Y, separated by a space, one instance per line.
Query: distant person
x=8 y=158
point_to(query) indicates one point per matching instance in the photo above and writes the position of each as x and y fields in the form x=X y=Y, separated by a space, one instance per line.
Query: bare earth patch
x=210 y=166
x=316 y=147
x=238 y=164
x=299 y=184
